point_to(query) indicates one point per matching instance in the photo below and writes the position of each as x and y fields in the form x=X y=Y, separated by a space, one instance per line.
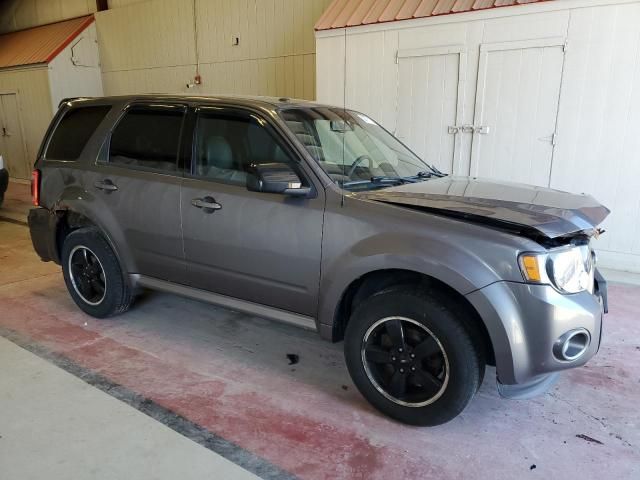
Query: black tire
x=116 y=295
x=427 y=314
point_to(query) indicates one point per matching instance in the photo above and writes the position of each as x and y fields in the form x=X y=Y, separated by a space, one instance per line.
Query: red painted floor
x=229 y=373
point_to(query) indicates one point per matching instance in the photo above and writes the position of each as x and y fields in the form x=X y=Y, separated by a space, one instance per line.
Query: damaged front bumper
x=537 y=331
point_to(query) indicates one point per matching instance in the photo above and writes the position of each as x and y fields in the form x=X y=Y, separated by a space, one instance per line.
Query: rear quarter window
x=148 y=138
x=73 y=132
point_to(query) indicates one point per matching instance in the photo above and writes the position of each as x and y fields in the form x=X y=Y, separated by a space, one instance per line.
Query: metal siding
x=407 y=10
x=343 y=13
x=275 y=56
x=20 y=14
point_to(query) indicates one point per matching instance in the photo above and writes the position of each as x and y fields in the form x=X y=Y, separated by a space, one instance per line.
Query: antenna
x=344 y=111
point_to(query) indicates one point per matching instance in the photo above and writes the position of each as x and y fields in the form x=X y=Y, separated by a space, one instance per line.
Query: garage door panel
x=428 y=104
x=517 y=99
x=11 y=140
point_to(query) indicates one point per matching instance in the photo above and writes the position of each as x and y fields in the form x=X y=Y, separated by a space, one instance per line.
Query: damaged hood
x=516 y=207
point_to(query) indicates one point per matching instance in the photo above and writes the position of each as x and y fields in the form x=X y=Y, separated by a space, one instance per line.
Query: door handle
x=208 y=204
x=106 y=185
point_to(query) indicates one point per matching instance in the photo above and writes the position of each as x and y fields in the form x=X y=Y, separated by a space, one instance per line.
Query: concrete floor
x=54 y=425
x=223 y=380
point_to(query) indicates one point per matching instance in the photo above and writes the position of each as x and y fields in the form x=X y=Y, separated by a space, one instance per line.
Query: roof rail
x=71 y=99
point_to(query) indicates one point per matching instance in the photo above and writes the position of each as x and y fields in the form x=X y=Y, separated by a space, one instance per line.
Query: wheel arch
x=72 y=217
x=380 y=280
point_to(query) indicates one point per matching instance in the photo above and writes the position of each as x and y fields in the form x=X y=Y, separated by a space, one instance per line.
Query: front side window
x=148 y=137
x=353 y=150
x=229 y=143
x=73 y=132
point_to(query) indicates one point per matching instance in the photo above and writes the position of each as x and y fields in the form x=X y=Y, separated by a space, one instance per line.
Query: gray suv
x=316 y=216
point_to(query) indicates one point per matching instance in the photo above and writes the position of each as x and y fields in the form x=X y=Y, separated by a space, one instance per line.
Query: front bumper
x=525 y=323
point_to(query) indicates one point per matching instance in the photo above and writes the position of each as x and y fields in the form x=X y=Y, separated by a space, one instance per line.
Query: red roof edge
x=429 y=15
x=88 y=21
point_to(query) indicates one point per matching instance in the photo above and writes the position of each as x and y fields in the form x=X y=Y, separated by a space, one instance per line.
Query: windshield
x=356 y=152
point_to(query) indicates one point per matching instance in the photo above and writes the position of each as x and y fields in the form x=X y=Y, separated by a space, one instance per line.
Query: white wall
x=598 y=113
x=75 y=72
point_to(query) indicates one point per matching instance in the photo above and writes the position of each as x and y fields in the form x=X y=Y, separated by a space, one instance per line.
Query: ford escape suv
x=316 y=216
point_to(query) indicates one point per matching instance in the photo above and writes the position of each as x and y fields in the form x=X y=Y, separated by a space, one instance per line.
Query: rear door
x=260 y=247
x=137 y=181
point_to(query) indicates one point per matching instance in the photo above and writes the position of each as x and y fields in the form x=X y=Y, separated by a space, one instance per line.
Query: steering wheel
x=357 y=162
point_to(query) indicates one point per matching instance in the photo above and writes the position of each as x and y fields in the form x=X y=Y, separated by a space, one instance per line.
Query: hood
x=524 y=209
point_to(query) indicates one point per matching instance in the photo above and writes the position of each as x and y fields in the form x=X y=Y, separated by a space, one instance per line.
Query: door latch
x=482 y=130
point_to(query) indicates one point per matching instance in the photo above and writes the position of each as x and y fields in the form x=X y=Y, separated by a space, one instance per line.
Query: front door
x=138 y=187
x=11 y=141
x=259 y=247
x=518 y=94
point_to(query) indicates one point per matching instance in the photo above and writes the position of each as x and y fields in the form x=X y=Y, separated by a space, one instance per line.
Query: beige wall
x=21 y=14
x=150 y=46
x=34 y=102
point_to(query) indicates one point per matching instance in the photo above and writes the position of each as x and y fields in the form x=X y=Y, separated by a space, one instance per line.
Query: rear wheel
x=93 y=275
x=411 y=357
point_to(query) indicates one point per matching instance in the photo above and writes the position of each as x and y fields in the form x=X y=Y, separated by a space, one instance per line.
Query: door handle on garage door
x=208 y=204
x=106 y=185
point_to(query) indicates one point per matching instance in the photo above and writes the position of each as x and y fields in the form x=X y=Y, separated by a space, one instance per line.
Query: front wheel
x=411 y=357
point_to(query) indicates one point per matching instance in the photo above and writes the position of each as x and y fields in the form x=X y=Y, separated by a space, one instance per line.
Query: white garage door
x=517 y=100
x=429 y=102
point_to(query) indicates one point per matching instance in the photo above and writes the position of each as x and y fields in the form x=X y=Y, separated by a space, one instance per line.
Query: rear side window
x=148 y=137
x=73 y=132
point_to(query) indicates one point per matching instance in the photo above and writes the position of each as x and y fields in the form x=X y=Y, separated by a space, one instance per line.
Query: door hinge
x=397 y=57
x=565 y=47
x=554 y=139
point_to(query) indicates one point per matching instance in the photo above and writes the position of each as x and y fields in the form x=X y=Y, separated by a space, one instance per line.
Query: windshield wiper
x=395 y=180
x=379 y=181
x=427 y=174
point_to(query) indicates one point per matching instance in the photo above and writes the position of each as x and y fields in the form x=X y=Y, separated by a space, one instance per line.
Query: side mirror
x=275 y=178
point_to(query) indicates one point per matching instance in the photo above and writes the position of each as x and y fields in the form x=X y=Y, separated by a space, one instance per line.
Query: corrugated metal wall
x=598 y=108
x=151 y=46
x=21 y=14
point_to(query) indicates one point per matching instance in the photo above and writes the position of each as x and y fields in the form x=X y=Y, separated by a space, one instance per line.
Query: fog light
x=572 y=345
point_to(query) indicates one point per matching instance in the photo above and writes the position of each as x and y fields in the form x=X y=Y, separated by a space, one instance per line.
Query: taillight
x=35 y=187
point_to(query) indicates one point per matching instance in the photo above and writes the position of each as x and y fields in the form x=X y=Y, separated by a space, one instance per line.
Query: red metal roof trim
x=40 y=44
x=349 y=13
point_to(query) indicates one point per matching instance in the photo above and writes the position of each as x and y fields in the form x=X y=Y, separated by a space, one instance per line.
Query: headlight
x=570 y=270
